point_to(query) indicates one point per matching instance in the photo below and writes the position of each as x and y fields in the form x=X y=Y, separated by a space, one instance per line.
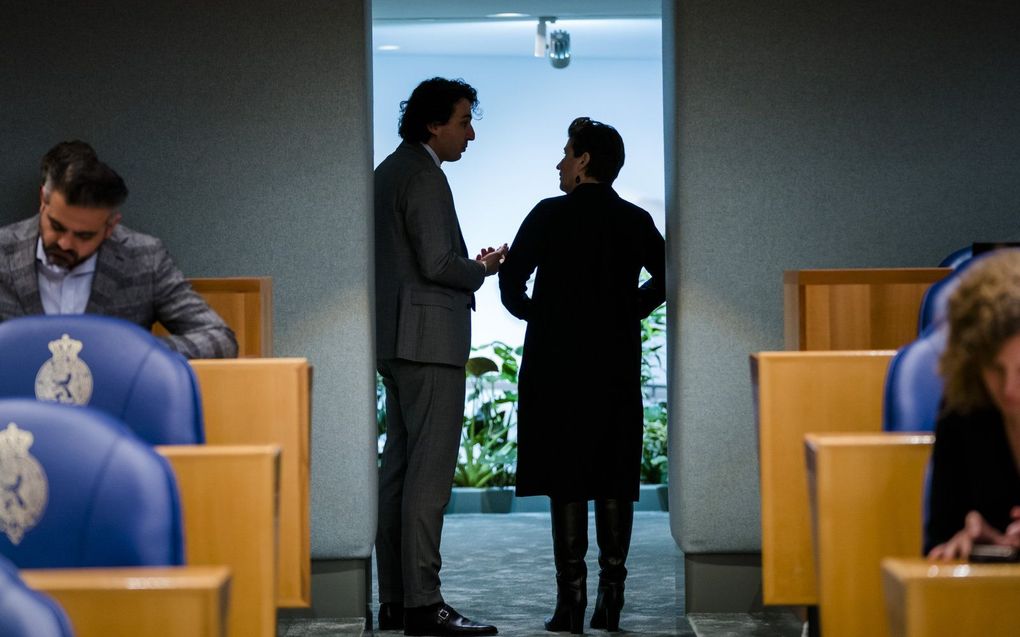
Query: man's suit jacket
x=424 y=280
x=135 y=280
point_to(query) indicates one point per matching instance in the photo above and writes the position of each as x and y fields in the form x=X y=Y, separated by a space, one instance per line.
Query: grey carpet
x=498 y=568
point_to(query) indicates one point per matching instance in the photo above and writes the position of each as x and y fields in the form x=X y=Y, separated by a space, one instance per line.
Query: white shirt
x=435 y=157
x=64 y=291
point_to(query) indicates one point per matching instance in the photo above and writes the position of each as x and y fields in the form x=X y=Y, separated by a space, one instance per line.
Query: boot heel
x=607 y=608
x=613 y=619
x=577 y=621
x=606 y=619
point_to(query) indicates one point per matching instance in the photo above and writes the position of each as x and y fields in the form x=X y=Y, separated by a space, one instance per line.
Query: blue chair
x=913 y=386
x=913 y=390
x=957 y=258
x=935 y=302
x=79 y=489
x=106 y=363
x=28 y=613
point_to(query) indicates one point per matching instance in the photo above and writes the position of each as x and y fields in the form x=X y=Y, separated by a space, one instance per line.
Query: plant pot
x=472 y=500
x=653 y=497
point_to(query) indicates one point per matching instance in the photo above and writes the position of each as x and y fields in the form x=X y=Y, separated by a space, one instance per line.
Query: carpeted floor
x=498 y=569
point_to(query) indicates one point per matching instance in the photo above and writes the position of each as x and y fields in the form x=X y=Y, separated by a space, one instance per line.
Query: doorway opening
x=613 y=75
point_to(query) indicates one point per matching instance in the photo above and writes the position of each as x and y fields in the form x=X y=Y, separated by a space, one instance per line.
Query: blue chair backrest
x=935 y=302
x=913 y=386
x=79 y=489
x=28 y=613
x=957 y=258
x=106 y=363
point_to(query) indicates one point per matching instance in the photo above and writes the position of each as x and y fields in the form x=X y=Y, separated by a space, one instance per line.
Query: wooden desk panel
x=867 y=493
x=229 y=502
x=128 y=602
x=925 y=599
x=854 y=309
x=246 y=305
x=268 y=401
x=797 y=393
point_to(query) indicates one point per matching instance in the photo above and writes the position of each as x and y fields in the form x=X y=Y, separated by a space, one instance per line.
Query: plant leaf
x=478 y=365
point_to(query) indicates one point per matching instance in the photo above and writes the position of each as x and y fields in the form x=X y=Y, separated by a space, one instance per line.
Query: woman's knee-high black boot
x=570 y=544
x=614 y=520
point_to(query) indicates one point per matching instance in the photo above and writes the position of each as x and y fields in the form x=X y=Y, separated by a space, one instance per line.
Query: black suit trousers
x=424 y=418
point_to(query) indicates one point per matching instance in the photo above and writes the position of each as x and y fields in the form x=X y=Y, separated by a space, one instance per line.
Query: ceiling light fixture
x=389 y=47
x=540 y=37
x=556 y=44
x=507 y=15
x=559 y=49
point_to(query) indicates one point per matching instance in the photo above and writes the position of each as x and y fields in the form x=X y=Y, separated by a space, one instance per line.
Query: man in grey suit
x=425 y=284
x=74 y=257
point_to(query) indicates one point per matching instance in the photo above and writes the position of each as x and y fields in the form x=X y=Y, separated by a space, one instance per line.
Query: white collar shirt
x=432 y=154
x=64 y=291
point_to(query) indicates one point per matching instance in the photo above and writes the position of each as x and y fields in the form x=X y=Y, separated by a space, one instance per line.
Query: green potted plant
x=488 y=453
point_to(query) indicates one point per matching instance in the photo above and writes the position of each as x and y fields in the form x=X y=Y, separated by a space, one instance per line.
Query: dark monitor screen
x=980 y=247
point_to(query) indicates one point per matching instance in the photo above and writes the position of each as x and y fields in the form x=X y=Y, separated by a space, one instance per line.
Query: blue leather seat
x=79 y=489
x=28 y=613
x=913 y=386
x=106 y=363
x=957 y=258
x=935 y=302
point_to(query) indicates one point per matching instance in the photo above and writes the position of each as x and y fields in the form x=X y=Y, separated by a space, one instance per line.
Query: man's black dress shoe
x=440 y=619
x=391 y=616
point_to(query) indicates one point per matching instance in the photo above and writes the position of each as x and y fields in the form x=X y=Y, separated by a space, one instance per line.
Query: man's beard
x=63 y=258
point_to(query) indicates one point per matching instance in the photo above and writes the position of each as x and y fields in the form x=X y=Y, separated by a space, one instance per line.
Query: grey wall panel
x=812 y=135
x=243 y=130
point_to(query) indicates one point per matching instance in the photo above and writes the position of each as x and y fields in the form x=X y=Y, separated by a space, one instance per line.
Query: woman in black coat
x=580 y=414
x=974 y=497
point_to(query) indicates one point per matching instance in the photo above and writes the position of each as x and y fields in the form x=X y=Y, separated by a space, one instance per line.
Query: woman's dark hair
x=602 y=143
x=432 y=102
x=74 y=170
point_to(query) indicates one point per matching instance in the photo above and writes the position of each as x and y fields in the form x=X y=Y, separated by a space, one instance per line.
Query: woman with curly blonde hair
x=975 y=482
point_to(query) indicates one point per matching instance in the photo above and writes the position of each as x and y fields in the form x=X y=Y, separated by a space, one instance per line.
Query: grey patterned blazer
x=424 y=279
x=135 y=280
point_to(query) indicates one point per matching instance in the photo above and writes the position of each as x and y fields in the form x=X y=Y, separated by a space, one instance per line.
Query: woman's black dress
x=580 y=415
x=972 y=469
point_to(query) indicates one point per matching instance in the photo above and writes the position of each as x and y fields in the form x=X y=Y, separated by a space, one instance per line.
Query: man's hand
x=977 y=531
x=490 y=258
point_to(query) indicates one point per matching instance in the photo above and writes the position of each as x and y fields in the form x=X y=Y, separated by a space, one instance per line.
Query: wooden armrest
x=268 y=401
x=229 y=501
x=155 y=602
x=924 y=599
x=796 y=393
x=867 y=493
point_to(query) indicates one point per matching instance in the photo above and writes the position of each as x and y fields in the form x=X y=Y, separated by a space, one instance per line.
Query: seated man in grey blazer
x=74 y=257
x=424 y=293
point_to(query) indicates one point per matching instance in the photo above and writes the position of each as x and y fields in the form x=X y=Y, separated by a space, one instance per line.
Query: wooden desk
x=797 y=393
x=867 y=493
x=854 y=309
x=925 y=599
x=268 y=401
x=246 y=305
x=129 y=602
x=229 y=504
